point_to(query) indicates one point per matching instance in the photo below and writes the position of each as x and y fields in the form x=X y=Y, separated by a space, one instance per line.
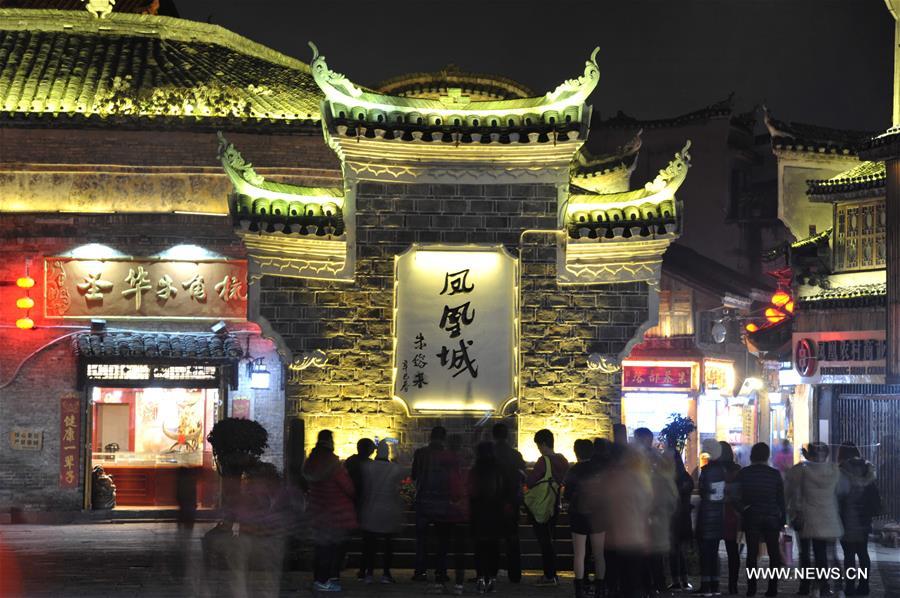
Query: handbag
x=786 y=545
x=542 y=498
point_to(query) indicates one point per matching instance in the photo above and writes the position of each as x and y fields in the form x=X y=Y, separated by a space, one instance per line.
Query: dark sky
x=827 y=62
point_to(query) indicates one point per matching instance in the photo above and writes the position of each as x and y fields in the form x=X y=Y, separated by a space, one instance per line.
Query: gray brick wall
x=351 y=321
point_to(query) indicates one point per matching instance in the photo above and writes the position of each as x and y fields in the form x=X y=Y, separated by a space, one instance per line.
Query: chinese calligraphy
x=229 y=288
x=165 y=289
x=452 y=321
x=455 y=282
x=70 y=425
x=196 y=287
x=93 y=287
x=139 y=282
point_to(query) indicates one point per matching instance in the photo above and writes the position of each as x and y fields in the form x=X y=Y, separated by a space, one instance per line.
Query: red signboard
x=657 y=377
x=240 y=408
x=69 y=441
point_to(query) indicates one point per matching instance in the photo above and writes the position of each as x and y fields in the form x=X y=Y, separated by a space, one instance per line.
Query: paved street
x=146 y=559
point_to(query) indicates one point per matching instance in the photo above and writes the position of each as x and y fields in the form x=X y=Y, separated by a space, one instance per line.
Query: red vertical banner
x=69 y=441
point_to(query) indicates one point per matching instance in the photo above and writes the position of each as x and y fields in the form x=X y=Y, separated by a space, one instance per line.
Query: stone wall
x=351 y=322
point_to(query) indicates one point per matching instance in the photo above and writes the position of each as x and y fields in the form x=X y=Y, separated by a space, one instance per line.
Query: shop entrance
x=152 y=442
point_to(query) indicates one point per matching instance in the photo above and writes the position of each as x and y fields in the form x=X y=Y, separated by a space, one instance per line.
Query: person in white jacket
x=381 y=511
x=811 y=489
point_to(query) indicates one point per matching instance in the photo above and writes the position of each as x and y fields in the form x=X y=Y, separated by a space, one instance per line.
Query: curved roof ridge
x=815 y=138
x=338 y=88
x=724 y=107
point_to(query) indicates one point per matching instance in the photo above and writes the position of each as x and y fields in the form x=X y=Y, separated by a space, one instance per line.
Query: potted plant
x=676 y=432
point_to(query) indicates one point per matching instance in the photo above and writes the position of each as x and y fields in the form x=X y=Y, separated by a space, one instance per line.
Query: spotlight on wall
x=219 y=328
x=259 y=375
x=98 y=326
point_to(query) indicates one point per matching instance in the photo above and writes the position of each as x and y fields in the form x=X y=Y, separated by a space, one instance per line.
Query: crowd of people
x=633 y=523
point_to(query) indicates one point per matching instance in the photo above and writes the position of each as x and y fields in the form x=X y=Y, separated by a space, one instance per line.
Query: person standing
x=711 y=517
x=551 y=466
x=381 y=511
x=431 y=471
x=732 y=515
x=664 y=496
x=761 y=495
x=355 y=465
x=331 y=512
x=488 y=501
x=511 y=463
x=580 y=521
x=811 y=490
x=681 y=532
x=858 y=502
x=450 y=525
x=784 y=458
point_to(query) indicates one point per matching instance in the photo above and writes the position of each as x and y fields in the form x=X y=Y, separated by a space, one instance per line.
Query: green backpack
x=542 y=498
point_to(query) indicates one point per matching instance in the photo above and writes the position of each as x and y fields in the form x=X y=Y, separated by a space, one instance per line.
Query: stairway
x=405 y=547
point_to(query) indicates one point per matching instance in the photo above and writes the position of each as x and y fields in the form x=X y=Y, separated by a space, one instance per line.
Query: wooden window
x=859 y=230
x=676 y=314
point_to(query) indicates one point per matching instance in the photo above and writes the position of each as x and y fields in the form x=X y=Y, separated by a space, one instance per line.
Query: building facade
x=390 y=259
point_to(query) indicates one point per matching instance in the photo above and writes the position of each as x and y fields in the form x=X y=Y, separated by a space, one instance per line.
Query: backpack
x=542 y=498
x=872 y=504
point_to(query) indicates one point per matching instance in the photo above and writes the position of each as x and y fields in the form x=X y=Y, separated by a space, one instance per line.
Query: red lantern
x=774 y=315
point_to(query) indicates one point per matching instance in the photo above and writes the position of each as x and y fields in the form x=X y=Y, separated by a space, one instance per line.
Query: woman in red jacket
x=331 y=512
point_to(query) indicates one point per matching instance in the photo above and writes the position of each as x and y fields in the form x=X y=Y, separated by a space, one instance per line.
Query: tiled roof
x=588 y=165
x=718 y=109
x=156 y=345
x=647 y=212
x=260 y=205
x=800 y=137
x=557 y=116
x=437 y=84
x=703 y=272
x=812 y=240
x=69 y=65
x=865 y=295
x=132 y=6
x=866 y=179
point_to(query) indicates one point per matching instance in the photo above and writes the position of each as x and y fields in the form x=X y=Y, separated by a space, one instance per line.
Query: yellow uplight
x=24 y=302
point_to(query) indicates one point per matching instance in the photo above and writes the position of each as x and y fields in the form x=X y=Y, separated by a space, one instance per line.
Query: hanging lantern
x=25 y=323
x=24 y=302
x=25 y=282
x=751 y=327
x=774 y=315
x=789 y=306
x=780 y=298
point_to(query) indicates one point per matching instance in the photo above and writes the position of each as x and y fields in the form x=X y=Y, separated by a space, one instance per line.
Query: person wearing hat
x=711 y=516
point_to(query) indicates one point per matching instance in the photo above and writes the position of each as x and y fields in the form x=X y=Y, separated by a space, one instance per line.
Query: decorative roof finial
x=100 y=8
x=328 y=80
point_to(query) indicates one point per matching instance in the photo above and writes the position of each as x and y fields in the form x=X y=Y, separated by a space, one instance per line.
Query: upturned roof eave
x=340 y=90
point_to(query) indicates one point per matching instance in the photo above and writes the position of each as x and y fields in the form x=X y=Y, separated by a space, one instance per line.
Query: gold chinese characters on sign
x=145 y=288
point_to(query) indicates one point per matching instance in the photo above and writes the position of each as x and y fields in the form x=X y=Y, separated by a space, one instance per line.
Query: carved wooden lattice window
x=676 y=314
x=859 y=230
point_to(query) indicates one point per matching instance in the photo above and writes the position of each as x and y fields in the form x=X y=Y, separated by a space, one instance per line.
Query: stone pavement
x=153 y=559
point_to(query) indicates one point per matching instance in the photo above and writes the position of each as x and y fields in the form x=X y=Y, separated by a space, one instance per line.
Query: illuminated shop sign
x=455 y=329
x=853 y=357
x=145 y=288
x=718 y=375
x=659 y=375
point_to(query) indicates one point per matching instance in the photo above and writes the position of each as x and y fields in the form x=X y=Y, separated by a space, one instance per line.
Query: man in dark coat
x=858 y=502
x=511 y=463
x=711 y=517
x=354 y=464
x=761 y=494
x=431 y=473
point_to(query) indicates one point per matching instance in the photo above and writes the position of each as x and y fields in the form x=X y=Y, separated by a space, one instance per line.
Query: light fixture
x=98 y=326
x=25 y=323
x=259 y=375
x=219 y=328
x=25 y=282
x=24 y=302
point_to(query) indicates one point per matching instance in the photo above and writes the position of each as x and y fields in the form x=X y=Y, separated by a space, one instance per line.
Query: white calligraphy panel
x=455 y=328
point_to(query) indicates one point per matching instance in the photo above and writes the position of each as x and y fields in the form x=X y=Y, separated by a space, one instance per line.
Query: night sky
x=827 y=62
